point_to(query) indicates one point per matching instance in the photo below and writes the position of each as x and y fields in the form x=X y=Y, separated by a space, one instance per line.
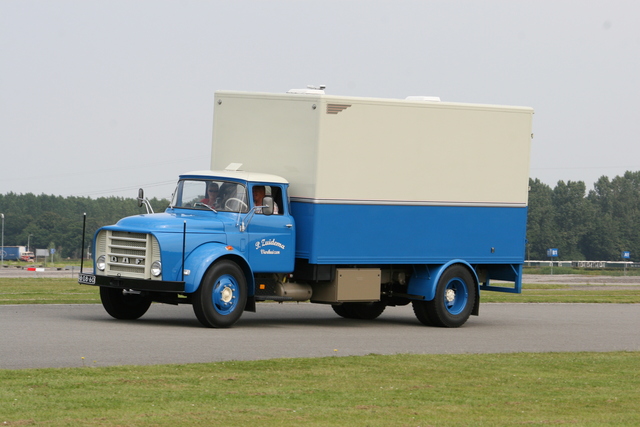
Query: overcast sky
x=99 y=98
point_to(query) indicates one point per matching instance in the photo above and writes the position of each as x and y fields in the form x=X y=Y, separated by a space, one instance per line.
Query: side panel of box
x=408 y=152
x=334 y=149
x=366 y=234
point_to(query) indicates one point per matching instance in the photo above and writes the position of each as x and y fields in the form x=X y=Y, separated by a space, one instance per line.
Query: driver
x=212 y=196
x=258 y=194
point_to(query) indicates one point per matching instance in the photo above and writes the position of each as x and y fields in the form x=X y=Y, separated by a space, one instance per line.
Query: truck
x=16 y=253
x=27 y=257
x=357 y=203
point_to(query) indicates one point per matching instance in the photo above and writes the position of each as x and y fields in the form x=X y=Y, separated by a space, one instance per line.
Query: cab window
x=220 y=195
x=258 y=191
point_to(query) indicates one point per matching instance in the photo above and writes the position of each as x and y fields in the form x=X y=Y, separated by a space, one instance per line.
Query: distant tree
x=573 y=215
x=603 y=239
x=541 y=233
x=617 y=216
x=47 y=221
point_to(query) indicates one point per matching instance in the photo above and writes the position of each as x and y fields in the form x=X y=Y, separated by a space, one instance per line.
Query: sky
x=99 y=98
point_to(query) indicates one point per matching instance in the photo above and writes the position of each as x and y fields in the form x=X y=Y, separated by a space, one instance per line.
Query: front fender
x=201 y=258
x=424 y=280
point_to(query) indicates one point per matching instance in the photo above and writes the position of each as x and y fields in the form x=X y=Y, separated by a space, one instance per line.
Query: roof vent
x=233 y=167
x=310 y=90
x=423 y=98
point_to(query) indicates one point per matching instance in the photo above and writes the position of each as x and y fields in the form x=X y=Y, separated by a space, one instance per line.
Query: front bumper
x=128 y=283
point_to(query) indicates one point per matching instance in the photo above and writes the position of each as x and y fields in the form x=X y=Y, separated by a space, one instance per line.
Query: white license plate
x=87 y=279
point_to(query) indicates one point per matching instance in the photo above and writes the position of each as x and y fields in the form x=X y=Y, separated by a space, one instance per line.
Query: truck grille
x=128 y=254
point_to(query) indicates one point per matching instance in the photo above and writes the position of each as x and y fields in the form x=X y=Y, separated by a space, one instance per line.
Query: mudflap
x=251 y=304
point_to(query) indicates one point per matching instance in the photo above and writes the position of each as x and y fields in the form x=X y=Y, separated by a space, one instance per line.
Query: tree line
x=597 y=225
x=594 y=225
x=55 y=222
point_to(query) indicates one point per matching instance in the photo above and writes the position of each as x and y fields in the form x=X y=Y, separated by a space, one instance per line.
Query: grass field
x=539 y=293
x=586 y=389
x=46 y=291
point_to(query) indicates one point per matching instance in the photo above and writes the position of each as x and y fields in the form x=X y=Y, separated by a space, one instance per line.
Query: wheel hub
x=450 y=295
x=226 y=295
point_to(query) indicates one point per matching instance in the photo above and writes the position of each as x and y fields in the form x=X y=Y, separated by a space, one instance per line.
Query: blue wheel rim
x=456 y=296
x=225 y=294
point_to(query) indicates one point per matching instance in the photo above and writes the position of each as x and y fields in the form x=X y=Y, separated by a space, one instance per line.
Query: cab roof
x=238 y=175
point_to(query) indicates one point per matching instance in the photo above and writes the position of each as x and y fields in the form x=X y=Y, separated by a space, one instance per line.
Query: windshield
x=225 y=196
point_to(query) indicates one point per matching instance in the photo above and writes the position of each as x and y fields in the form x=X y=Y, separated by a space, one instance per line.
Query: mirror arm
x=143 y=201
x=242 y=225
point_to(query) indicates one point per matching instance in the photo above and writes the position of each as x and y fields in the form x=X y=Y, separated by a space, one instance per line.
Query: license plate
x=87 y=279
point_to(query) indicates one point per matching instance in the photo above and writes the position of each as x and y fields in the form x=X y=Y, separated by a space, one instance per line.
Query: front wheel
x=222 y=295
x=455 y=296
x=124 y=305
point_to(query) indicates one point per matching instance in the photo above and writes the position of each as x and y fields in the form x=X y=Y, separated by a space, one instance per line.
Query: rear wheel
x=222 y=295
x=455 y=295
x=124 y=305
x=359 y=310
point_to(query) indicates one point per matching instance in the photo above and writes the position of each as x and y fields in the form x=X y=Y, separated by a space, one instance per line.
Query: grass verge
x=46 y=291
x=543 y=293
x=587 y=389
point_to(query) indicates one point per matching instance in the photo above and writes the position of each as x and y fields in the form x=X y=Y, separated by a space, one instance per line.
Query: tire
x=342 y=310
x=453 y=302
x=359 y=310
x=222 y=295
x=124 y=306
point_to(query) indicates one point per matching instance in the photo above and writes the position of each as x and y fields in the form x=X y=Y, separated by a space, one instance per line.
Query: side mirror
x=140 y=197
x=267 y=202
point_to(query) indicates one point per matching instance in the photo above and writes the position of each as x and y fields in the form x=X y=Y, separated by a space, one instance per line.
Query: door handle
x=289 y=225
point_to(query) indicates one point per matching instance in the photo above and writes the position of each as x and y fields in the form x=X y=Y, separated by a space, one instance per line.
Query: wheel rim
x=456 y=296
x=225 y=294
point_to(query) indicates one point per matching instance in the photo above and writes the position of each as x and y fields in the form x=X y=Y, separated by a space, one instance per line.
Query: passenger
x=258 y=194
x=212 y=196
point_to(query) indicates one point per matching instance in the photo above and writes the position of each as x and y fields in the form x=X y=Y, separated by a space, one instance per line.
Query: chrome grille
x=128 y=254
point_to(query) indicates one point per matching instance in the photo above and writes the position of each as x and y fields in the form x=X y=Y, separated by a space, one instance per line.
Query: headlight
x=101 y=263
x=156 y=268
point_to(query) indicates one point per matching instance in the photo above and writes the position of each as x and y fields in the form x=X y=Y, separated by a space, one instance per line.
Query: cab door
x=272 y=237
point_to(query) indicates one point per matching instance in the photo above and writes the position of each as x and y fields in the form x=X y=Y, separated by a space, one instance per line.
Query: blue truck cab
x=213 y=220
x=357 y=203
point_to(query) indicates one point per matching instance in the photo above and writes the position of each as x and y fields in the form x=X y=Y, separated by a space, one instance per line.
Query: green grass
x=543 y=293
x=46 y=291
x=587 y=389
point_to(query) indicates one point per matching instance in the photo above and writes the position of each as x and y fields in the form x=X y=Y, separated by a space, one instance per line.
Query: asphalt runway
x=39 y=336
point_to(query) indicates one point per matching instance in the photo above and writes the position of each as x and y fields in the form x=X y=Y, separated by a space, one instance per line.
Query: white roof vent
x=423 y=98
x=310 y=90
x=233 y=167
